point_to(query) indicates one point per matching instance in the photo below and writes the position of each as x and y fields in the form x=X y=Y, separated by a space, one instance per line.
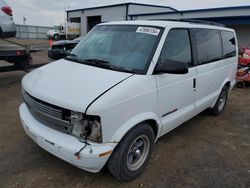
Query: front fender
x=128 y=125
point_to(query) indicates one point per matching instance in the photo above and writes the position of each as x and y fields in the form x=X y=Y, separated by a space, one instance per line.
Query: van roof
x=169 y=23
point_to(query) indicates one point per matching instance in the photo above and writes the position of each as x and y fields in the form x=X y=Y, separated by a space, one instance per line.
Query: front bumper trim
x=65 y=146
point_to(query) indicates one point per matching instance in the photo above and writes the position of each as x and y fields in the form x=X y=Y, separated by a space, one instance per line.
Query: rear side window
x=229 y=46
x=177 y=47
x=209 y=45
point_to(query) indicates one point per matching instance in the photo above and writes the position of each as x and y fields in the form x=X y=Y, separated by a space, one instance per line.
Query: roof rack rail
x=197 y=21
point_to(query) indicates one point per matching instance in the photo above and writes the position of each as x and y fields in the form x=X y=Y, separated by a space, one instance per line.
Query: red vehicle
x=244 y=56
x=243 y=77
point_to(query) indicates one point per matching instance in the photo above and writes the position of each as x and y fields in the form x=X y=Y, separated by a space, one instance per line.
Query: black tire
x=119 y=164
x=240 y=84
x=1 y=32
x=56 y=37
x=23 y=63
x=220 y=105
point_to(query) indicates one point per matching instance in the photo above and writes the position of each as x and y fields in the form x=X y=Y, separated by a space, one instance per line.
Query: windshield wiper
x=70 y=54
x=122 y=69
x=73 y=57
x=97 y=61
x=106 y=64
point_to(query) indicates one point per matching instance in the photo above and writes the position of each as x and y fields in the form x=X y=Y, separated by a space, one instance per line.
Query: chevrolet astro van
x=123 y=86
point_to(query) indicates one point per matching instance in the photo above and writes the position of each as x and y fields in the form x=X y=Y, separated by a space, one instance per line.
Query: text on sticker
x=148 y=30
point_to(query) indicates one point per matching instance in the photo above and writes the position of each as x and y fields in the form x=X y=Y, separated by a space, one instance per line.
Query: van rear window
x=209 y=45
x=229 y=46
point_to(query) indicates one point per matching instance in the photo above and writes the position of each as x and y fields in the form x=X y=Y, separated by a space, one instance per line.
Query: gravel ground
x=206 y=151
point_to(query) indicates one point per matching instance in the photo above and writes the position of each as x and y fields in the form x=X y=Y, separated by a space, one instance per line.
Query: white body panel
x=210 y=80
x=125 y=99
x=132 y=102
x=176 y=96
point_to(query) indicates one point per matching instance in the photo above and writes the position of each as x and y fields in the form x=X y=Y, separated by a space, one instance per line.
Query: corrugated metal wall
x=31 y=32
x=243 y=34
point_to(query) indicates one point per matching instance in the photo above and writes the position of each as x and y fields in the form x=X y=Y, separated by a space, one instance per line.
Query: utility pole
x=24 y=20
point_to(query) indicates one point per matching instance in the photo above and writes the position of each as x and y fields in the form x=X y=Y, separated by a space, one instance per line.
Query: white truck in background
x=68 y=30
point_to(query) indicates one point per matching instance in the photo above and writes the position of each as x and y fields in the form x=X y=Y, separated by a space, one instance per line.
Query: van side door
x=176 y=93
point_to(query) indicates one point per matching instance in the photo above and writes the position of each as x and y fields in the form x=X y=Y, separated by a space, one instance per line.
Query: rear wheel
x=23 y=63
x=221 y=102
x=240 y=84
x=132 y=155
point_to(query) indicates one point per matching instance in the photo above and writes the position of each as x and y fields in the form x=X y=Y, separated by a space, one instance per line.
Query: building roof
x=224 y=15
x=196 y=10
x=120 y=4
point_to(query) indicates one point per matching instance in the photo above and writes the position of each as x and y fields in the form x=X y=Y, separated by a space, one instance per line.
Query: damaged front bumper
x=92 y=158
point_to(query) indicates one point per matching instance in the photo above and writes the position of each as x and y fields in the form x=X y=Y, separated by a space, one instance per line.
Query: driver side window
x=177 y=47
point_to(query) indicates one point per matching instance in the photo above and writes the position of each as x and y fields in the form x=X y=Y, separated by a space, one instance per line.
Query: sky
x=52 y=12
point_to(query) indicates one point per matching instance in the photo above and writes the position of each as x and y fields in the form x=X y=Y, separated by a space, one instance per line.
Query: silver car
x=7 y=25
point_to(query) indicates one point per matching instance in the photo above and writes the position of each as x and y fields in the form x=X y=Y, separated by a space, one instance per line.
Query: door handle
x=194 y=83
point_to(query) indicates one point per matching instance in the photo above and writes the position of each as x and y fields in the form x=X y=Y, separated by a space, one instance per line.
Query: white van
x=123 y=86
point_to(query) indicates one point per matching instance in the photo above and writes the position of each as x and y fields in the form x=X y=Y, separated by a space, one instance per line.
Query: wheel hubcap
x=138 y=152
x=222 y=100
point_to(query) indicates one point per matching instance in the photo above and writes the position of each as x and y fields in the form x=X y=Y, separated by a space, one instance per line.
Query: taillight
x=7 y=10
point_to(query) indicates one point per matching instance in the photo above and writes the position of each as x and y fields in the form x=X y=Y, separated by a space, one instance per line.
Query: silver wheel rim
x=222 y=100
x=138 y=152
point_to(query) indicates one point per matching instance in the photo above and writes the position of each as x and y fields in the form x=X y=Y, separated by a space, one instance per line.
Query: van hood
x=70 y=85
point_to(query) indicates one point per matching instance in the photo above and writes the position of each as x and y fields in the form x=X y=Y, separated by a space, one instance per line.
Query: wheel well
x=228 y=84
x=153 y=124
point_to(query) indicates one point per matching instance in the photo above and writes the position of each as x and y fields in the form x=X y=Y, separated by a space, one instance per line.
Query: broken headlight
x=85 y=126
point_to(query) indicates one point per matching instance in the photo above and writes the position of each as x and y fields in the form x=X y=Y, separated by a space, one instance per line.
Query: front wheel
x=132 y=155
x=56 y=37
x=221 y=102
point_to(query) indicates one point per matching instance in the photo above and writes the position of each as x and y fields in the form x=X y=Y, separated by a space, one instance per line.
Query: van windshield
x=123 y=47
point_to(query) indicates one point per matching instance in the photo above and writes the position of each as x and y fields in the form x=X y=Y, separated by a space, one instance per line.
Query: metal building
x=89 y=17
x=237 y=18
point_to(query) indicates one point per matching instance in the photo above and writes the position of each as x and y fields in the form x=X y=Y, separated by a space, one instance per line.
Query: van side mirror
x=171 y=67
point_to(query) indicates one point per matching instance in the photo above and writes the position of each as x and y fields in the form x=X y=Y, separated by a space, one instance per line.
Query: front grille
x=47 y=113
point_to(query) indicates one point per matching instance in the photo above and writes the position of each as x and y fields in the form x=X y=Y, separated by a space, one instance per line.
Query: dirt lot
x=206 y=151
